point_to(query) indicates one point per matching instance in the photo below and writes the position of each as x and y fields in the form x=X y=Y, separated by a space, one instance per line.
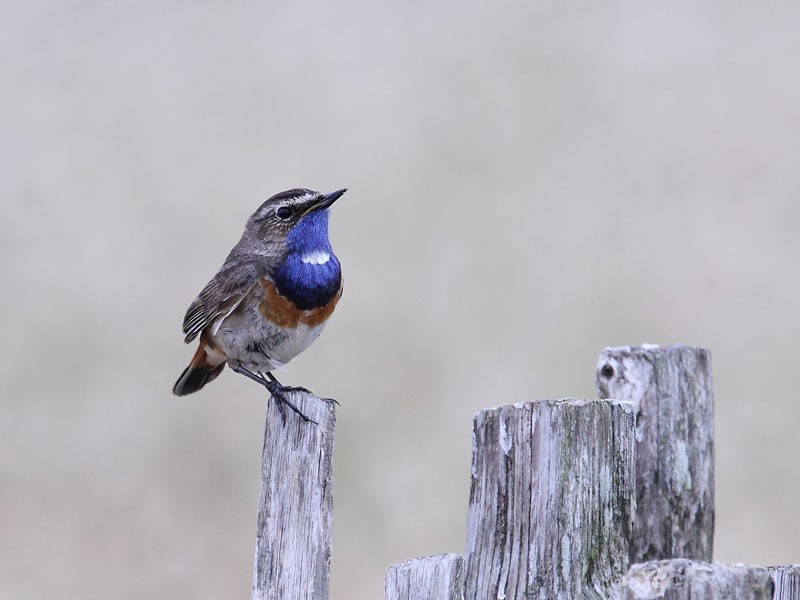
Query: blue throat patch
x=309 y=285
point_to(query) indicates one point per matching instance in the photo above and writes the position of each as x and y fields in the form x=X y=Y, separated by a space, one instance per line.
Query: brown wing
x=220 y=297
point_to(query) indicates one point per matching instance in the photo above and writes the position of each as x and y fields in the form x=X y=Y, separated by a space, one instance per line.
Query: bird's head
x=293 y=221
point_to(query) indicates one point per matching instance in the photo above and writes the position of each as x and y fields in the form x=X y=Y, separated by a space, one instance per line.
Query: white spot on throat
x=317 y=257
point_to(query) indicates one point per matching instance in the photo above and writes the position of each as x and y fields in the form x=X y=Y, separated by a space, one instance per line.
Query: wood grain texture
x=681 y=579
x=671 y=390
x=439 y=577
x=551 y=501
x=295 y=511
x=787 y=582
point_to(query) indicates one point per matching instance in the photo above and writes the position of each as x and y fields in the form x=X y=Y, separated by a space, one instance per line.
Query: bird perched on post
x=270 y=299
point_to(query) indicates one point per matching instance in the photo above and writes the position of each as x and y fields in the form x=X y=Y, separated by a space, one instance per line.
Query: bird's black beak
x=328 y=199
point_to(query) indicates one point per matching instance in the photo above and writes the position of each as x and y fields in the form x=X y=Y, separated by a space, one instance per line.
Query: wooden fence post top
x=551 y=499
x=295 y=510
x=671 y=390
x=682 y=579
x=626 y=372
x=439 y=577
x=787 y=581
x=652 y=348
x=488 y=412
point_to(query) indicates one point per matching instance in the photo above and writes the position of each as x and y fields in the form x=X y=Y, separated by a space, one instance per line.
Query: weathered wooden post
x=295 y=511
x=680 y=579
x=551 y=501
x=787 y=582
x=439 y=577
x=670 y=388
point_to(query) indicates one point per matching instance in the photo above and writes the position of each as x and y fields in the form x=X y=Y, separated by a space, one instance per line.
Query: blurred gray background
x=529 y=182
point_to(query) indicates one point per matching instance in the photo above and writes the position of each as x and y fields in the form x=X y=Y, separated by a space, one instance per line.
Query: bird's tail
x=201 y=370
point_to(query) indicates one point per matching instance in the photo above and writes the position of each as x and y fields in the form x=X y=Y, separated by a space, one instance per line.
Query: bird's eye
x=284 y=212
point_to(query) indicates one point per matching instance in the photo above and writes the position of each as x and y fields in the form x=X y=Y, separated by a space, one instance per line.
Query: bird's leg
x=278 y=392
x=287 y=388
x=272 y=377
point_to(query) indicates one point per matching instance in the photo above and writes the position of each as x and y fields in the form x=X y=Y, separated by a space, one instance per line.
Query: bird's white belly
x=298 y=340
x=258 y=345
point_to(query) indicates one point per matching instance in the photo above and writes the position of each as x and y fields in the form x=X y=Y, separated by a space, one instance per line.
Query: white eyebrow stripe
x=317 y=257
x=298 y=199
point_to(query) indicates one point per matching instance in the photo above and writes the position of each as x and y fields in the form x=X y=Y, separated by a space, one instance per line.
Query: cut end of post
x=576 y=402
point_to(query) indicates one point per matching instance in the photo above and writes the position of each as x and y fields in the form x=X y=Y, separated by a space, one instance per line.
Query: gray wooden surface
x=787 y=582
x=295 y=511
x=439 y=577
x=671 y=388
x=681 y=579
x=550 y=508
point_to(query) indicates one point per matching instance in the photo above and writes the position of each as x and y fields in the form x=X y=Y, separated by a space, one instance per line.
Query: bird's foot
x=281 y=395
x=294 y=388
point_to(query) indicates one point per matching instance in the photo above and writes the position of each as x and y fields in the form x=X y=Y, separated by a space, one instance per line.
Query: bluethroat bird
x=270 y=299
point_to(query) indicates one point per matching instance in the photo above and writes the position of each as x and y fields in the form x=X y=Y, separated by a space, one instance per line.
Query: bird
x=270 y=299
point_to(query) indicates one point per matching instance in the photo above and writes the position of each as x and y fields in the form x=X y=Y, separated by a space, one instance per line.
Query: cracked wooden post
x=551 y=500
x=681 y=579
x=295 y=511
x=438 y=577
x=670 y=387
x=787 y=582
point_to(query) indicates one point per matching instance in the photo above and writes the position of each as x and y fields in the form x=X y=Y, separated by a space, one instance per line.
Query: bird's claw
x=279 y=393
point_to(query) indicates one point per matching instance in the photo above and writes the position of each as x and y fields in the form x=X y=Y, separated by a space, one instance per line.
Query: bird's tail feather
x=199 y=372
